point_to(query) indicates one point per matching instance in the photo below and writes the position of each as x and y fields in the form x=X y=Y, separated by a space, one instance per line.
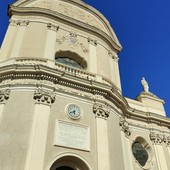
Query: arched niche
x=69 y=163
x=70 y=58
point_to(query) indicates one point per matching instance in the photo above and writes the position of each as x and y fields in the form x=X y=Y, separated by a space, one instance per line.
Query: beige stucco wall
x=15 y=130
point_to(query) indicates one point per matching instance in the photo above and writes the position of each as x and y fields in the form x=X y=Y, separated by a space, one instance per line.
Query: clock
x=74 y=111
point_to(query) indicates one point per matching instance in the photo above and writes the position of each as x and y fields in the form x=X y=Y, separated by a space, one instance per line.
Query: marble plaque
x=72 y=135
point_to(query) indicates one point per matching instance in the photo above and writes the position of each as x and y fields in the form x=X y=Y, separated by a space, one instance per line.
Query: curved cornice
x=13 y=10
x=110 y=93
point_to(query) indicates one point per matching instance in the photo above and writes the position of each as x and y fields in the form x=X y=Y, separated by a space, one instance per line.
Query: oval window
x=140 y=153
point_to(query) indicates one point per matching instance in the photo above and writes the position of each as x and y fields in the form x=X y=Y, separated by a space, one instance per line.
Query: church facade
x=61 y=104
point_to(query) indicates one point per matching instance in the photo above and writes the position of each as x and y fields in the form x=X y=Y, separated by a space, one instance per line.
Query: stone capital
x=52 y=27
x=124 y=126
x=44 y=97
x=91 y=41
x=101 y=111
x=4 y=95
x=156 y=138
x=113 y=56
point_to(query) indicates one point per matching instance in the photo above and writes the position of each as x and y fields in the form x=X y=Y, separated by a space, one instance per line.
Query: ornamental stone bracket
x=124 y=126
x=44 y=97
x=52 y=27
x=158 y=138
x=4 y=95
x=101 y=111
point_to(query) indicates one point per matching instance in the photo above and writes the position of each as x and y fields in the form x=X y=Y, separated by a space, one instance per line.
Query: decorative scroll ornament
x=101 y=111
x=125 y=126
x=44 y=97
x=156 y=138
x=72 y=41
x=4 y=95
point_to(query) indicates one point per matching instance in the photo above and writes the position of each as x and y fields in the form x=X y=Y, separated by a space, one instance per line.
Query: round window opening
x=64 y=168
x=140 y=153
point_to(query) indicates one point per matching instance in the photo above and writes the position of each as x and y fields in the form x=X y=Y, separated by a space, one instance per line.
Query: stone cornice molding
x=55 y=15
x=44 y=97
x=4 y=95
x=124 y=126
x=101 y=111
x=41 y=72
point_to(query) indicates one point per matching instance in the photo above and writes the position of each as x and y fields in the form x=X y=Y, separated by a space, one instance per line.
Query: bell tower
x=61 y=105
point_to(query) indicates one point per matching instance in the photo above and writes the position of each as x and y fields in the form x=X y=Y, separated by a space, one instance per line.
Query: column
x=4 y=95
x=18 y=39
x=157 y=140
x=127 y=153
x=93 y=55
x=50 y=42
x=102 y=113
x=38 y=137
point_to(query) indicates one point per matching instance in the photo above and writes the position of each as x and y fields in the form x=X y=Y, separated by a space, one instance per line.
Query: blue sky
x=143 y=29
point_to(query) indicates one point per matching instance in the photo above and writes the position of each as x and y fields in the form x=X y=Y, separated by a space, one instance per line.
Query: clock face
x=74 y=111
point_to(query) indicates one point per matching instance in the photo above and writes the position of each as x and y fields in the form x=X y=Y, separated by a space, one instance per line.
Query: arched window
x=69 y=62
x=69 y=163
x=70 y=59
x=64 y=168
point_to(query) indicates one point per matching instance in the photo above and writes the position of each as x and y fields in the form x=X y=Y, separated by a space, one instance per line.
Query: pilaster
x=115 y=69
x=157 y=141
x=102 y=113
x=36 y=152
x=21 y=27
x=126 y=145
x=50 y=41
x=4 y=95
x=93 y=55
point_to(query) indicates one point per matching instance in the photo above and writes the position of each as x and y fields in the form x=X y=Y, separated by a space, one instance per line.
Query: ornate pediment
x=73 y=9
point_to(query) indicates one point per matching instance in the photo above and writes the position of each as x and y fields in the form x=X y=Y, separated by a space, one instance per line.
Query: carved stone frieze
x=124 y=126
x=44 y=97
x=91 y=41
x=52 y=27
x=4 y=95
x=101 y=111
x=72 y=41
